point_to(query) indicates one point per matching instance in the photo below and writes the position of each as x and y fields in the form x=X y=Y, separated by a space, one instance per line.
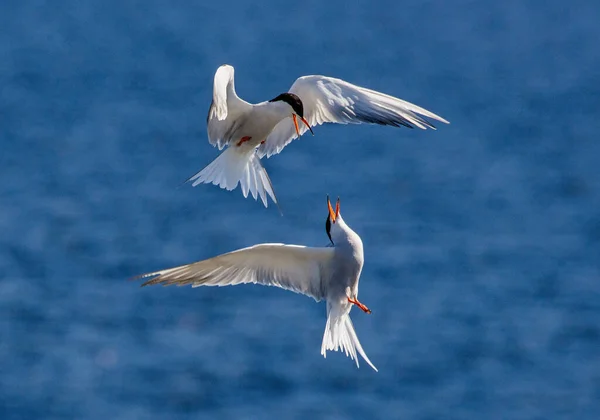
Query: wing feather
x=291 y=267
x=330 y=100
x=226 y=109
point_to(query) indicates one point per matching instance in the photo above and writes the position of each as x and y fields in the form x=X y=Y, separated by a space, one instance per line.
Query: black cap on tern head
x=293 y=101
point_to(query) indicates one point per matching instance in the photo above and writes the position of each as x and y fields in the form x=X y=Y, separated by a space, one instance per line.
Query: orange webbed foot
x=243 y=140
x=360 y=305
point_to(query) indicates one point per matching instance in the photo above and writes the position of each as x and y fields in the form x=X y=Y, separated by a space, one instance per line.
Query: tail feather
x=253 y=184
x=233 y=167
x=340 y=335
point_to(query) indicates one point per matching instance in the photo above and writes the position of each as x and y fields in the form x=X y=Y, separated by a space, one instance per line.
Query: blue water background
x=482 y=239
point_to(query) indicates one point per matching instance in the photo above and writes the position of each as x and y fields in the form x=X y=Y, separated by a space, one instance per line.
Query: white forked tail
x=339 y=334
x=235 y=166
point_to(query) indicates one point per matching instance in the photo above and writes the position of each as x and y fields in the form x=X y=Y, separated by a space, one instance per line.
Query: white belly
x=257 y=125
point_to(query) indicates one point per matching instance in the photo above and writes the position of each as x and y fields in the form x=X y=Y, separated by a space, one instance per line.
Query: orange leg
x=360 y=305
x=243 y=140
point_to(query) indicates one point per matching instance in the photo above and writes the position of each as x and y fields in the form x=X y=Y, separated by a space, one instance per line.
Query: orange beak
x=333 y=215
x=307 y=125
x=331 y=212
x=294 y=117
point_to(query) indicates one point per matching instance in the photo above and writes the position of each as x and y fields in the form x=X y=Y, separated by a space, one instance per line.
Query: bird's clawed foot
x=243 y=140
x=360 y=305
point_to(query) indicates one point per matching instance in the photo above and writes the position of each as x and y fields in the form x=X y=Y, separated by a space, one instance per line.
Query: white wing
x=226 y=110
x=291 y=267
x=329 y=100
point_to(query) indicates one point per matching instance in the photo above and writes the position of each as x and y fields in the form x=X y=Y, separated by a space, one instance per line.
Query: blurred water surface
x=481 y=238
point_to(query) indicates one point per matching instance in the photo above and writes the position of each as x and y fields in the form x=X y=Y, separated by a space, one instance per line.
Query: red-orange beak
x=294 y=117
x=333 y=215
x=307 y=125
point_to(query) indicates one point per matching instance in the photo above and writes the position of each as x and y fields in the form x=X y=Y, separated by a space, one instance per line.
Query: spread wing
x=296 y=268
x=227 y=110
x=329 y=100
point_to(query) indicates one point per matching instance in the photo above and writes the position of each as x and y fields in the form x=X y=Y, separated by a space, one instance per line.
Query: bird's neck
x=345 y=237
x=277 y=110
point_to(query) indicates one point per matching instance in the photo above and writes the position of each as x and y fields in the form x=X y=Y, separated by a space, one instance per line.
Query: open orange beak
x=333 y=215
x=295 y=118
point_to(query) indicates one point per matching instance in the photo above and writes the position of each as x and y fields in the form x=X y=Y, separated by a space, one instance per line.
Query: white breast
x=261 y=120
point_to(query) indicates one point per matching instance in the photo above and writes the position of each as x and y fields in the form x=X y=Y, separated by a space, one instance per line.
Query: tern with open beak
x=253 y=131
x=329 y=273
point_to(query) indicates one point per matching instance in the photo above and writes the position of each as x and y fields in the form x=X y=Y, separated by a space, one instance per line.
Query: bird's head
x=332 y=224
x=297 y=109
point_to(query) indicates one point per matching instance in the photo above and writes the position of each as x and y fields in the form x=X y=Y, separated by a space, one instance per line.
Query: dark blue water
x=482 y=239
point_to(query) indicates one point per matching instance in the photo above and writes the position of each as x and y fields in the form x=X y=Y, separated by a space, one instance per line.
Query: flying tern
x=253 y=131
x=329 y=273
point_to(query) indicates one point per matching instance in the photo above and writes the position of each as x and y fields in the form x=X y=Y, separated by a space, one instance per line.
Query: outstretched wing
x=291 y=267
x=329 y=100
x=227 y=110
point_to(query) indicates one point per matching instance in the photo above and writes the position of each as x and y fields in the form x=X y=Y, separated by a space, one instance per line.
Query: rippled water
x=481 y=238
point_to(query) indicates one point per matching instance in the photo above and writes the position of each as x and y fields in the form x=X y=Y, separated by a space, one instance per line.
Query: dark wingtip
x=152 y=281
x=144 y=276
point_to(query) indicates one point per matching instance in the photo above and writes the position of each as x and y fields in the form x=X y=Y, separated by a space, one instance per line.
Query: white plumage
x=253 y=131
x=329 y=100
x=329 y=273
